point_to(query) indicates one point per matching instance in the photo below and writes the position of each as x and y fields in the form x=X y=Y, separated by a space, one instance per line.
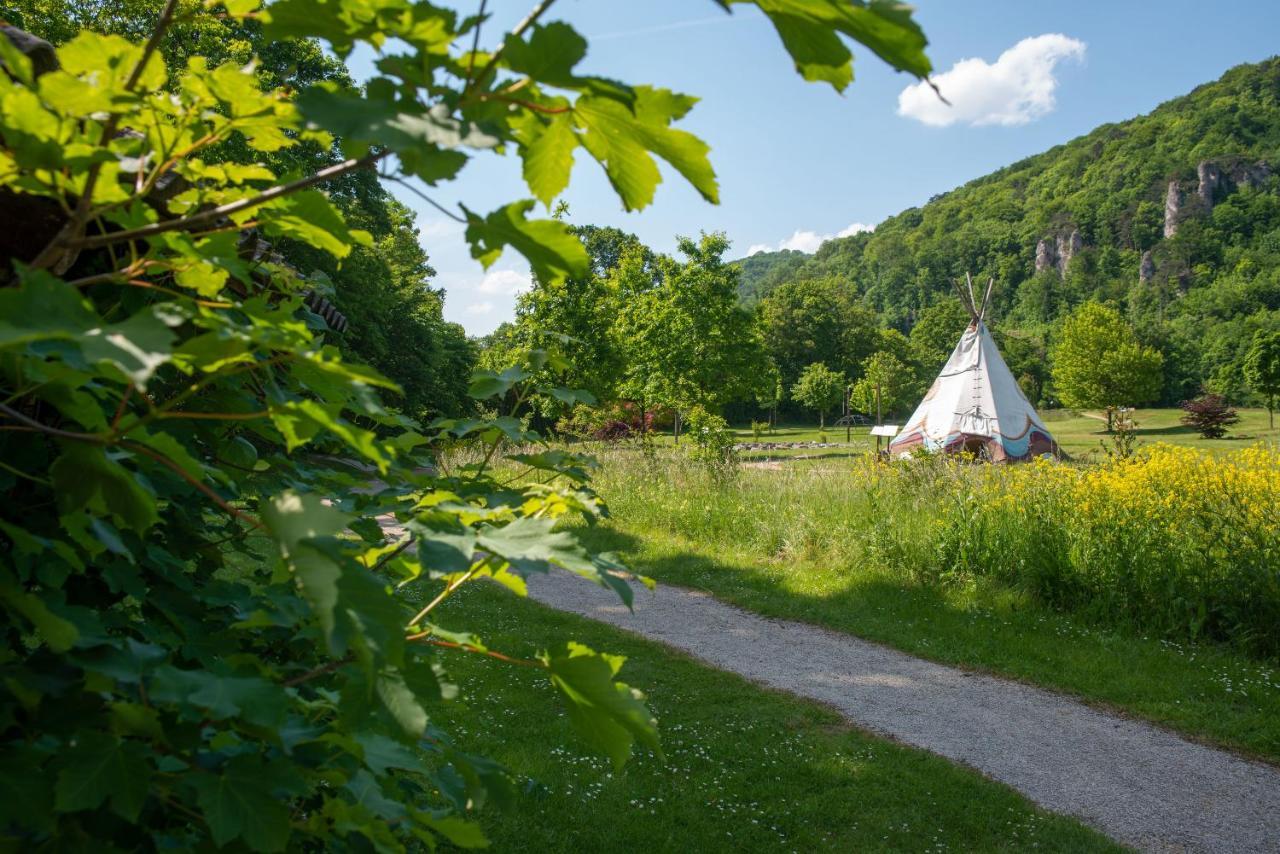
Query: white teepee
x=975 y=404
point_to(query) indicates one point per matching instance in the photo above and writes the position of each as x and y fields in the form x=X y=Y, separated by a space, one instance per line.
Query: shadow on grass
x=746 y=768
x=1171 y=430
x=834 y=455
x=982 y=625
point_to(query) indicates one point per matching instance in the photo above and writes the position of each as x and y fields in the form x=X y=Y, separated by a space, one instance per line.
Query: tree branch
x=516 y=32
x=186 y=223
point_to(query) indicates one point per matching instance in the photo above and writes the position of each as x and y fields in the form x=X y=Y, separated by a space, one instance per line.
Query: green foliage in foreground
x=165 y=397
x=746 y=769
x=808 y=542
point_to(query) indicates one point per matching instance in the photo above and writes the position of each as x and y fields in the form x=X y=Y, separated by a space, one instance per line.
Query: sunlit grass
x=932 y=564
x=745 y=769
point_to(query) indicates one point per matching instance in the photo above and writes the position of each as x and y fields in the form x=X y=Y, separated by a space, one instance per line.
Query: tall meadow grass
x=1173 y=541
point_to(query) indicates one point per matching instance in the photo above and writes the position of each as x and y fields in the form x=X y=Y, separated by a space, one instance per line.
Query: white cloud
x=804 y=241
x=854 y=228
x=504 y=283
x=483 y=307
x=809 y=241
x=1017 y=88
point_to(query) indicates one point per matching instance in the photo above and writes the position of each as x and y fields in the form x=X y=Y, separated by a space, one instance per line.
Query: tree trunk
x=822 y=420
x=1271 y=412
x=1110 y=417
x=675 y=425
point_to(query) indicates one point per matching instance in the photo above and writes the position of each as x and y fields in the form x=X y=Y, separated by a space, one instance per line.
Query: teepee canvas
x=975 y=404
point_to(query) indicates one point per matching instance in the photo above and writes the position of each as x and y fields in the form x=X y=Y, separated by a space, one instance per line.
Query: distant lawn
x=1079 y=433
x=747 y=769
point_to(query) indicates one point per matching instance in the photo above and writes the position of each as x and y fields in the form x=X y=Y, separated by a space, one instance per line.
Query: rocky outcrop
x=1251 y=175
x=1172 y=209
x=1046 y=256
x=1056 y=252
x=1068 y=246
x=1215 y=179
x=1210 y=176
x=1146 y=268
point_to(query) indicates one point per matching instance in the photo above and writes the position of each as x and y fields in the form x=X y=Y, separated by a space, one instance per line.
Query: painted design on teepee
x=975 y=404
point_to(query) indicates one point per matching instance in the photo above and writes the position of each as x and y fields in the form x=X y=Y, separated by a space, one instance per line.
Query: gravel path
x=1140 y=785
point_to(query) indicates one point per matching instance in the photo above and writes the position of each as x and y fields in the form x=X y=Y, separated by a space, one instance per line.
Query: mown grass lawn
x=1079 y=434
x=745 y=768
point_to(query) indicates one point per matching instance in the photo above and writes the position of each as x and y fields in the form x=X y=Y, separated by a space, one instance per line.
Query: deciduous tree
x=1262 y=370
x=1098 y=362
x=886 y=384
x=820 y=389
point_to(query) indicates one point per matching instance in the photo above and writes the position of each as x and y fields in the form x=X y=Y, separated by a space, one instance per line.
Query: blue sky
x=798 y=162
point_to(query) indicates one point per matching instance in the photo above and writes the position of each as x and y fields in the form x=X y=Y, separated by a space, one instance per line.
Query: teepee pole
x=965 y=300
x=986 y=300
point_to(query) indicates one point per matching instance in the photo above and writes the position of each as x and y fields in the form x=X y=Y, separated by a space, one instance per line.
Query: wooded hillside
x=1172 y=217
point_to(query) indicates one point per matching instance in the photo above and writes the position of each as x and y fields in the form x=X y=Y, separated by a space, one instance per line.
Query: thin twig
x=391 y=555
x=423 y=637
x=216 y=416
x=475 y=46
x=124 y=400
x=182 y=473
x=528 y=105
x=23 y=474
x=317 y=672
x=402 y=182
x=31 y=423
x=153 y=43
x=448 y=589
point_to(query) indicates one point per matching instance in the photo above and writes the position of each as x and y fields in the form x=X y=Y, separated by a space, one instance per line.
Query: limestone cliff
x=1172 y=209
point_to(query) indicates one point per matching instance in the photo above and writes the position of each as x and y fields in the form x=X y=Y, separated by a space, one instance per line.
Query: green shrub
x=711 y=440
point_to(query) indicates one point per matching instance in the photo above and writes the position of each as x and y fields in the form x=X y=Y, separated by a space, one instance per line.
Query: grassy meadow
x=744 y=768
x=1149 y=586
